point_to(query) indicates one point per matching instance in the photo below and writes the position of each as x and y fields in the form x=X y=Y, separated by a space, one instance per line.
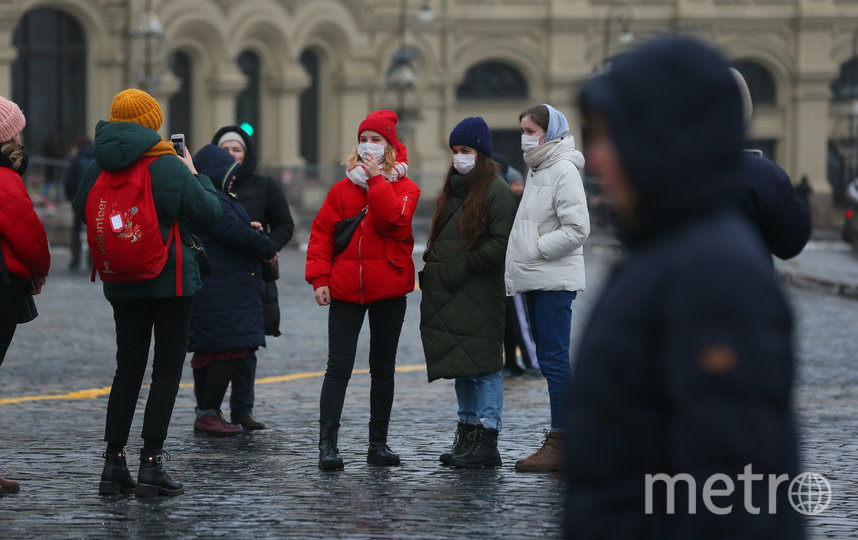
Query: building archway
x=492 y=80
x=49 y=80
x=180 y=113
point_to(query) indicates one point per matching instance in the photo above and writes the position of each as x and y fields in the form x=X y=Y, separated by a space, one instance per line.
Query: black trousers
x=344 y=323
x=12 y=302
x=211 y=382
x=74 y=240
x=135 y=320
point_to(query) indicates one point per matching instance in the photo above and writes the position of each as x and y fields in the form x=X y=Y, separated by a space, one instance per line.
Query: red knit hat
x=384 y=122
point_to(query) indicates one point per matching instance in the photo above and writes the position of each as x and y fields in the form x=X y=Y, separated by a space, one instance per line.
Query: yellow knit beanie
x=136 y=106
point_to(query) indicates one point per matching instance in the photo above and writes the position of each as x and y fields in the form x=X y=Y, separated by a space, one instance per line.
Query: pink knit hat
x=11 y=120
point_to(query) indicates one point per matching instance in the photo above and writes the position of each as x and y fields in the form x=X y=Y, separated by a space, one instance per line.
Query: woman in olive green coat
x=464 y=301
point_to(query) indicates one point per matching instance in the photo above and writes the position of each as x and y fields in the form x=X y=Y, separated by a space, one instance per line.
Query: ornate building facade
x=304 y=73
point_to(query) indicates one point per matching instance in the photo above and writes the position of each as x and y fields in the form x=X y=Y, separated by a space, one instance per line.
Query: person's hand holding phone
x=178 y=141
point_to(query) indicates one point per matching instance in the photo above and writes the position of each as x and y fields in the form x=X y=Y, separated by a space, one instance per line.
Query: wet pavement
x=267 y=484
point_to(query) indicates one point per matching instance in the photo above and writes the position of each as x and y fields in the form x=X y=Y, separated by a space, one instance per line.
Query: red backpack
x=122 y=228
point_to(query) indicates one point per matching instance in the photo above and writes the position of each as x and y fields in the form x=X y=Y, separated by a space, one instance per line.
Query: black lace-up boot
x=329 y=455
x=115 y=477
x=153 y=480
x=379 y=453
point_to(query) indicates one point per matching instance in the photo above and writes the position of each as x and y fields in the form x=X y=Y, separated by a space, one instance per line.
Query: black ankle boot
x=379 y=453
x=329 y=455
x=460 y=441
x=482 y=453
x=115 y=477
x=153 y=480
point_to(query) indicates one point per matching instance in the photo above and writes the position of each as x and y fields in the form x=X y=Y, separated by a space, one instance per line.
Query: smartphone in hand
x=178 y=141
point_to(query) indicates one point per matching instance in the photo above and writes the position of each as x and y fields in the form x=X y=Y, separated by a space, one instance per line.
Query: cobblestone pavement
x=266 y=484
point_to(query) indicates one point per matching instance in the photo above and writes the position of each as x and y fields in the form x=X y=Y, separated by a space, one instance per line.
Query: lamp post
x=622 y=13
x=148 y=28
x=401 y=76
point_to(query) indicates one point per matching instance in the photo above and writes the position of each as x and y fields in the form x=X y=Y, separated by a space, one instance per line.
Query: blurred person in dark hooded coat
x=686 y=364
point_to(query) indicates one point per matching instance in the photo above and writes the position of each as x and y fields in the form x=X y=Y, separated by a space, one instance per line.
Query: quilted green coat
x=463 y=303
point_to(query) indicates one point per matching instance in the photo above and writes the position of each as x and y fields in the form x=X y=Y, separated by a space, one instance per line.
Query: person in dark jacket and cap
x=227 y=323
x=263 y=198
x=684 y=371
x=768 y=198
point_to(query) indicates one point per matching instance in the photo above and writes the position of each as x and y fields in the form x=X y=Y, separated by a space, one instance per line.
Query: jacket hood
x=558 y=126
x=119 y=144
x=565 y=150
x=217 y=164
x=248 y=166
x=674 y=114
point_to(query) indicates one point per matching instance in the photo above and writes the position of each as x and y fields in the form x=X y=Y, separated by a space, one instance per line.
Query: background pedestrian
x=463 y=303
x=768 y=198
x=263 y=198
x=545 y=258
x=373 y=273
x=82 y=157
x=517 y=336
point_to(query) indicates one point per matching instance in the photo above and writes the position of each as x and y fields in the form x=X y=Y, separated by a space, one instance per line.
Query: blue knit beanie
x=473 y=132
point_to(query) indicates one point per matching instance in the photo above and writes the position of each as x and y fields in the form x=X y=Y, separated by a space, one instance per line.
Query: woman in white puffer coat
x=545 y=258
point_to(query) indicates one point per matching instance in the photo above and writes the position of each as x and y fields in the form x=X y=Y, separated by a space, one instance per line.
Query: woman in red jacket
x=372 y=273
x=24 y=256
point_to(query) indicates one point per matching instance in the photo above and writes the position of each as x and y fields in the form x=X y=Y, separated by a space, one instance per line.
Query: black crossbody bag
x=345 y=230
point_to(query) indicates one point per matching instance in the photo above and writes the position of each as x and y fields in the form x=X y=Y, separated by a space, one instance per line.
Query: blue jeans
x=243 y=379
x=480 y=399
x=551 y=323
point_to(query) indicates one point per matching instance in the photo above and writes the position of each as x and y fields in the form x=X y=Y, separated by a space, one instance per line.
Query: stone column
x=282 y=140
x=222 y=88
x=811 y=95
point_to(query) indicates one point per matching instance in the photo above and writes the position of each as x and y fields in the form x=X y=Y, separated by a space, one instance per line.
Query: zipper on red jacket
x=404 y=202
x=360 y=263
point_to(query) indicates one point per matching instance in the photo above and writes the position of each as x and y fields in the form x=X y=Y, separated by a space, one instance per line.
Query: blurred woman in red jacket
x=24 y=256
x=372 y=273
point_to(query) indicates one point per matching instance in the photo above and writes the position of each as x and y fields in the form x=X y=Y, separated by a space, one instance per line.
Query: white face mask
x=529 y=141
x=463 y=163
x=375 y=150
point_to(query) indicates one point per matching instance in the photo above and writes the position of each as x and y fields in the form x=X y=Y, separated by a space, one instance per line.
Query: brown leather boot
x=546 y=459
x=9 y=486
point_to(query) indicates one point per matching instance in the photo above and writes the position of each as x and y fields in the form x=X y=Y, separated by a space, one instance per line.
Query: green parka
x=463 y=303
x=177 y=194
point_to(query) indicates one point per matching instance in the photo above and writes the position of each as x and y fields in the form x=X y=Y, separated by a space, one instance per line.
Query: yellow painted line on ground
x=93 y=393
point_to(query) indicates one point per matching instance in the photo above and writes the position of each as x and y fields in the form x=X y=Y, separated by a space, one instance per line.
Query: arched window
x=310 y=109
x=180 y=102
x=247 y=102
x=49 y=79
x=845 y=87
x=760 y=82
x=492 y=80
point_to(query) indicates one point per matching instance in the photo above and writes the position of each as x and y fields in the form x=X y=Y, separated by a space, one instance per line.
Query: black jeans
x=12 y=300
x=344 y=323
x=211 y=382
x=135 y=320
